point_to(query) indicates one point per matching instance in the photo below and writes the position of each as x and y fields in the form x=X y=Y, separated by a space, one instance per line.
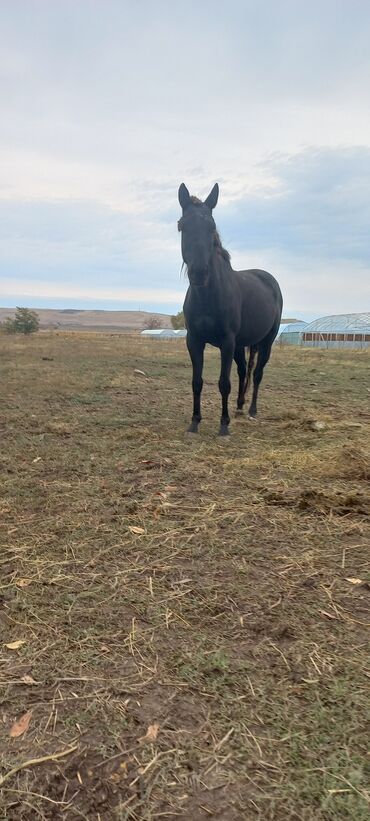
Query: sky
x=108 y=105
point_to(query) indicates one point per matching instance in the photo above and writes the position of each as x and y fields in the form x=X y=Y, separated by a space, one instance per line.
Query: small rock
x=139 y=373
x=317 y=425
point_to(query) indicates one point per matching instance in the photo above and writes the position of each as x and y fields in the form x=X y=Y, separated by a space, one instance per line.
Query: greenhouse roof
x=294 y=327
x=341 y=323
x=158 y=332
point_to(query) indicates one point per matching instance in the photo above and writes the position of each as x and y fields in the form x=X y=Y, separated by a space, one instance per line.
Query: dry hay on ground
x=184 y=627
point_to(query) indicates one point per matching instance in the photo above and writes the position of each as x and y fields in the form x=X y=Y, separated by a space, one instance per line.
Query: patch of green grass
x=201 y=665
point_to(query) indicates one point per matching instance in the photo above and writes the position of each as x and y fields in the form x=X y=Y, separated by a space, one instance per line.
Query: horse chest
x=212 y=313
x=209 y=327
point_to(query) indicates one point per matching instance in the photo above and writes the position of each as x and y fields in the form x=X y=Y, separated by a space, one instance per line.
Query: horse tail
x=252 y=356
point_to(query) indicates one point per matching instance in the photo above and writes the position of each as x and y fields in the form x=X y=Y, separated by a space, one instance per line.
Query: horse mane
x=219 y=247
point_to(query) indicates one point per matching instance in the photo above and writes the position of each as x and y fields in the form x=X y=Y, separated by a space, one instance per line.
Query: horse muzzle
x=198 y=277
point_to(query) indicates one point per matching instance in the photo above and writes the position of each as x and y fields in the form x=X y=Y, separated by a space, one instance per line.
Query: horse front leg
x=196 y=352
x=239 y=357
x=224 y=384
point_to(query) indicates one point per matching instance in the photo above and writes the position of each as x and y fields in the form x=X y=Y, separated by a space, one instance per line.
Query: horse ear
x=184 y=196
x=212 y=198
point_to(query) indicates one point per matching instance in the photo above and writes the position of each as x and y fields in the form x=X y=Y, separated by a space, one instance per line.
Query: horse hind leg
x=264 y=352
x=252 y=356
x=244 y=375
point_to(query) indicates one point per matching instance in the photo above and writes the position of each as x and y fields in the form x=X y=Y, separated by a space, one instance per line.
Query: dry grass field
x=184 y=626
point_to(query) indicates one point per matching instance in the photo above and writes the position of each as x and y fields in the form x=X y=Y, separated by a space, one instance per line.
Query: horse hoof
x=252 y=418
x=239 y=412
x=191 y=435
x=224 y=433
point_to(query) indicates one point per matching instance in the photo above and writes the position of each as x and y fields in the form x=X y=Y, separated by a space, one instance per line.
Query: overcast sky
x=107 y=105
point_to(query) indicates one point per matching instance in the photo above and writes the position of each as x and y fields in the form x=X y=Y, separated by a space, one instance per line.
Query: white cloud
x=38 y=288
x=107 y=106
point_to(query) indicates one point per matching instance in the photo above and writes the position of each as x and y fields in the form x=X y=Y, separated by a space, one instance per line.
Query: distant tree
x=8 y=326
x=24 y=322
x=178 y=321
x=151 y=323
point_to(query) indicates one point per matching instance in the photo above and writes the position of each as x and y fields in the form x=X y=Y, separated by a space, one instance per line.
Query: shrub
x=24 y=322
x=178 y=321
x=152 y=323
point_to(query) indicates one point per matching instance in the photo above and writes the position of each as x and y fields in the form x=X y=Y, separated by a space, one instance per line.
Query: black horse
x=229 y=309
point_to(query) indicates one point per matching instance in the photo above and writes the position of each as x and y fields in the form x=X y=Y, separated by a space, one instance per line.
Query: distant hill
x=71 y=319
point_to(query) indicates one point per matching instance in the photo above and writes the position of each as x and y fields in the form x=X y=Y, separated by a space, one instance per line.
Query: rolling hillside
x=77 y=320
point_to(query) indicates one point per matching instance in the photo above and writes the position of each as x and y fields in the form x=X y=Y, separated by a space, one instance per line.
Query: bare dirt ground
x=184 y=627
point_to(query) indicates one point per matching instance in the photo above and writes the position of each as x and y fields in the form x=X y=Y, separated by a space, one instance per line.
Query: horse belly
x=258 y=319
x=252 y=336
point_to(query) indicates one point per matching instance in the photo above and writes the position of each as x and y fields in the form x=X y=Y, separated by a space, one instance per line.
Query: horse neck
x=219 y=269
x=212 y=294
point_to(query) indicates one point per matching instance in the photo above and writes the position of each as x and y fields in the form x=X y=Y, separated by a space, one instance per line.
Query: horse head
x=197 y=228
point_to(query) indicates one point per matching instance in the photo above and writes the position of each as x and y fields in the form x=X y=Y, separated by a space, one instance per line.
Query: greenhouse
x=341 y=331
x=291 y=334
x=164 y=333
x=159 y=333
